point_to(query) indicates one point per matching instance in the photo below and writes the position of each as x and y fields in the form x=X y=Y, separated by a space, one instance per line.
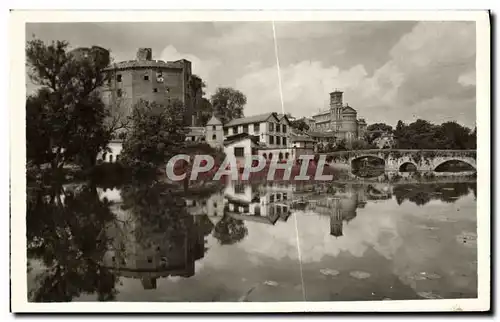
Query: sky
x=388 y=70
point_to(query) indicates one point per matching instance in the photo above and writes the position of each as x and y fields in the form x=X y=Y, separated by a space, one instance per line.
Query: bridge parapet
x=424 y=160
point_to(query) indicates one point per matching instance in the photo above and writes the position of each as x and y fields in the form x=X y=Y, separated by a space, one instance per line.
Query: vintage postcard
x=233 y=161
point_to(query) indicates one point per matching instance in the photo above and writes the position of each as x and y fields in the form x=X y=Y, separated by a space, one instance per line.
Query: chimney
x=144 y=54
x=336 y=98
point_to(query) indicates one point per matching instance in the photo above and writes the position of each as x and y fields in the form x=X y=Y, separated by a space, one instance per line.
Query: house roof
x=153 y=64
x=214 y=121
x=195 y=131
x=322 y=134
x=348 y=110
x=252 y=119
x=281 y=116
x=301 y=138
x=239 y=137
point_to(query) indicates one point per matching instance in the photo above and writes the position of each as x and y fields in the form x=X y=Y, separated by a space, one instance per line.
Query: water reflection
x=65 y=234
x=91 y=239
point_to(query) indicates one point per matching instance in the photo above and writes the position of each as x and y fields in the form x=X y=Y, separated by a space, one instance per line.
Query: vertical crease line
x=283 y=111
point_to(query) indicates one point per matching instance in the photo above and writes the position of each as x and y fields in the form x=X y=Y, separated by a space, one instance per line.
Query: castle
x=339 y=120
x=150 y=80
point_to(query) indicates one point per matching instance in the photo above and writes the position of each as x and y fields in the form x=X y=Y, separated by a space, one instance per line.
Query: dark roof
x=239 y=137
x=251 y=119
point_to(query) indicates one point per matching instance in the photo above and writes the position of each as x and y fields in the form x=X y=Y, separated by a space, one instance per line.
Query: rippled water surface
x=262 y=242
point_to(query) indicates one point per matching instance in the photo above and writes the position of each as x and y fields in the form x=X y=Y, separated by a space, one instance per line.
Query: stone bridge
x=395 y=160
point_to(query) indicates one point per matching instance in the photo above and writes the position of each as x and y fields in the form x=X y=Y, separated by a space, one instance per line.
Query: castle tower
x=147 y=79
x=214 y=133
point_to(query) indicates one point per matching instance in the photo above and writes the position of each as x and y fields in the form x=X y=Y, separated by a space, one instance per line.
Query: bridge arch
x=367 y=165
x=408 y=167
x=455 y=165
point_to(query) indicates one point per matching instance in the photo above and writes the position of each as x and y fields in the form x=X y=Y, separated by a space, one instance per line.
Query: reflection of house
x=212 y=207
x=143 y=251
x=265 y=204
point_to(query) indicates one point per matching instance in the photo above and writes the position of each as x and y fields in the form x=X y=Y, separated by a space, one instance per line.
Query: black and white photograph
x=250 y=161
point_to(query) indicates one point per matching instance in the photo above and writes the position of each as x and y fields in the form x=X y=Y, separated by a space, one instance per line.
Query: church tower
x=336 y=108
x=214 y=132
x=336 y=222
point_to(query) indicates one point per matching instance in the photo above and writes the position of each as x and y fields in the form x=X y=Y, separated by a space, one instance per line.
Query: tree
x=157 y=134
x=67 y=110
x=422 y=134
x=360 y=145
x=229 y=231
x=228 y=103
x=374 y=131
x=300 y=125
x=204 y=111
x=197 y=86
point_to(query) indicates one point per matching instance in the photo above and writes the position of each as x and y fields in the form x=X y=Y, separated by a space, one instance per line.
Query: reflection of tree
x=65 y=232
x=229 y=231
x=158 y=213
x=421 y=194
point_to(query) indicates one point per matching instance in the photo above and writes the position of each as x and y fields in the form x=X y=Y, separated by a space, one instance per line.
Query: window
x=239 y=188
x=284 y=128
x=271 y=127
x=278 y=140
x=280 y=156
x=285 y=196
x=119 y=93
x=271 y=139
x=235 y=130
x=159 y=77
x=284 y=141
x=193 y=138
x=245 y=128
x=146 y=77
x=239 y=151
x=214 y=137
x=256 y=127
x=271 y=198
x=226 y=132
x=277 y=128
x=214 y=128
x=119 y=78
x=270 y=156
x=287 y=155
x=155 y=90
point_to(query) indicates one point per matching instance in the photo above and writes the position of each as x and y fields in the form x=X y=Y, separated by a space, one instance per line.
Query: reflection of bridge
x=395 y=160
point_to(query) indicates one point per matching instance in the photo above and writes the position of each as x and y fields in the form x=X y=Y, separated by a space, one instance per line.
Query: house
x=266 y=134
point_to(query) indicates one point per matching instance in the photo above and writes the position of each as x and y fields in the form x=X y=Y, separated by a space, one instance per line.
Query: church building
x=339 y=119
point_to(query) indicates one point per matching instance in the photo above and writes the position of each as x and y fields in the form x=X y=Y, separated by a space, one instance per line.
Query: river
x=259 y=242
